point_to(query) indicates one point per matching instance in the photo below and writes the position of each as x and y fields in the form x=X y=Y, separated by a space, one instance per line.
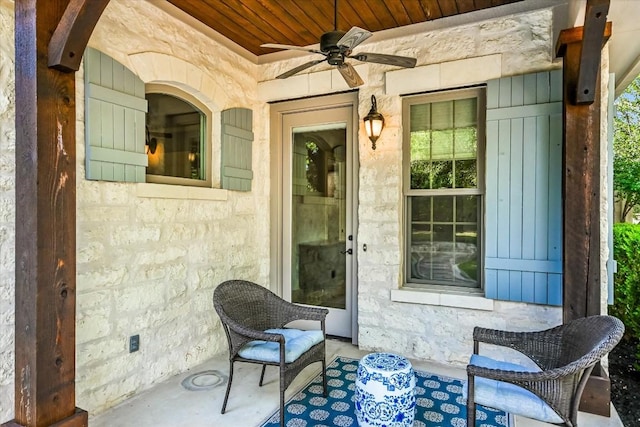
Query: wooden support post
x=581 y=200
x=45 y=318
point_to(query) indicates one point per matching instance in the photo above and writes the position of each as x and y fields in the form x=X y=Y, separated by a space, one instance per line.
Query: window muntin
x=178 y=138
x=443 y=188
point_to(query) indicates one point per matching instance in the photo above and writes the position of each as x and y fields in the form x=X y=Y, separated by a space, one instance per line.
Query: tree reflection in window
x=315 y=176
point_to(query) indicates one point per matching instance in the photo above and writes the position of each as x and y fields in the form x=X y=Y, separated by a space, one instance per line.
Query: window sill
x=448 y=298
x=165 y=191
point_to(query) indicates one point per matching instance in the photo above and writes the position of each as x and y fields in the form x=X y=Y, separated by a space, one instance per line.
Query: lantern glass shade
x=373 y=123
x=374 y=127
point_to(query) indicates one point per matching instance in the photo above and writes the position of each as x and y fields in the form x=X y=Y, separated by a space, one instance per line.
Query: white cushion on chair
x=509 y=397
x=296 y=343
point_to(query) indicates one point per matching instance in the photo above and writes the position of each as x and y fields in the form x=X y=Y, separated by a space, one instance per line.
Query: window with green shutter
x=145 y=133
x=486 y=213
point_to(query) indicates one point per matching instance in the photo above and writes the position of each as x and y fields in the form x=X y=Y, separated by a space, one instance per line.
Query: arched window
x=178 y=137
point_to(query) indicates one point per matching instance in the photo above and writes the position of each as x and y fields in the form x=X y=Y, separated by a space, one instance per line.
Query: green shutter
x=523 y=257
x=237 y=140
x=115 y=114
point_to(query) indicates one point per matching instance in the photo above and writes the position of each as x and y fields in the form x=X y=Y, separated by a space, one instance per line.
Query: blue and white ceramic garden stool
x=385 y=391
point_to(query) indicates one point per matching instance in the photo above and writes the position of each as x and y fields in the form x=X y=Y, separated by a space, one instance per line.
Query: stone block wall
x=149 y=255
x=434 y=325
x=448 y=58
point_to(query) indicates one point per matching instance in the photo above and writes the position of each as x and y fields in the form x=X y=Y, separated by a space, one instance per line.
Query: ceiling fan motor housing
x=329 y=41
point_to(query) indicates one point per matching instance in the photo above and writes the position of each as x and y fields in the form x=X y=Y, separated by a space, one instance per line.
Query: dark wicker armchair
x=254 y=318
x=565 y=355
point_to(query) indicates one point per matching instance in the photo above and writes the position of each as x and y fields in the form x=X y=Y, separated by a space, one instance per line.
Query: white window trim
x=208 y=143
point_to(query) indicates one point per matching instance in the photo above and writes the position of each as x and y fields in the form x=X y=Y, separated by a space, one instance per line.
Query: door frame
x=277 y=112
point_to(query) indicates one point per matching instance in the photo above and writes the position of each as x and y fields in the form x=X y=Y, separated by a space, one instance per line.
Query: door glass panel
x=318 y=273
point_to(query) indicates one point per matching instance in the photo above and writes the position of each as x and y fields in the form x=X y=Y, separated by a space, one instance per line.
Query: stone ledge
x=448 y=299
x=165 y=191
x=307 y=84
x=445 y=75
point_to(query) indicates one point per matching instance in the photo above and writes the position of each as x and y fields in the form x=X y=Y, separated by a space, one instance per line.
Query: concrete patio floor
x=170 y=404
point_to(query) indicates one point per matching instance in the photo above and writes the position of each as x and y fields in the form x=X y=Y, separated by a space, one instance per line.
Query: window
x=178 y=138
x=443 y=139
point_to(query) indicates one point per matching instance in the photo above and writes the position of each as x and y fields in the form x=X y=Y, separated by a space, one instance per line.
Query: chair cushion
x=296 y=342
x=509 y=397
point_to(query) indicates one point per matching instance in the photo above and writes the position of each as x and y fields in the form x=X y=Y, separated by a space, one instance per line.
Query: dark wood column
x=45 y=304
x=581 y=189
x=580 y=49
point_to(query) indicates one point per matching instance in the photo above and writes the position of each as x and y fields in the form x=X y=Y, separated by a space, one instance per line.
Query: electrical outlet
x=134 y=343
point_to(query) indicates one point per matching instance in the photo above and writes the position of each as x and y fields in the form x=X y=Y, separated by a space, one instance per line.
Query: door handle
x=348 y=251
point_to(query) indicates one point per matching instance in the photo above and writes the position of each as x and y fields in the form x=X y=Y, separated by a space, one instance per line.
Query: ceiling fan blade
x=400 y=61
x=299 y=68
x=353 y=38
x=350 y=75
x=289 y=47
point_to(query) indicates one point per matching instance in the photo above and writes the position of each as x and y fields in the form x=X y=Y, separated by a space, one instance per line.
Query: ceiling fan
x=337 y=46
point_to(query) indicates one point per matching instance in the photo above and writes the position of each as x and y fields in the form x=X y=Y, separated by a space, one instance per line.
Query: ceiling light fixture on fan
x=336 y=46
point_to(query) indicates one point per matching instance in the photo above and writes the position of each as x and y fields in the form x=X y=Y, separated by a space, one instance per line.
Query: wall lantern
x=150 y=144
x=373 y=123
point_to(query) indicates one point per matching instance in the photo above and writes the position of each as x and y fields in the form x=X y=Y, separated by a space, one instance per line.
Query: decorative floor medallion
x=205 y=380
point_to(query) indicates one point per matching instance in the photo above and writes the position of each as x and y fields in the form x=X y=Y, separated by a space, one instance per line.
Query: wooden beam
x=45 y=251
x=45 y=223
x=595 y=32
x=595 y=20
x=581 y=196
x=72 y=33
x=581 y=203
x=596 y=398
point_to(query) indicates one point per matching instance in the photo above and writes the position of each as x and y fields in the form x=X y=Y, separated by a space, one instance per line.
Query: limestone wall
x=148 y=260
x=425 y=325
x=441 y=328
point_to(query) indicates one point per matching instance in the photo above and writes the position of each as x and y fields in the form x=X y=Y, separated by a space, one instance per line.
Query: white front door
x=318 y=243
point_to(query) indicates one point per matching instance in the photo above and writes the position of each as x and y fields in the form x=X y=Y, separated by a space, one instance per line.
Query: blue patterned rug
x=439 y=402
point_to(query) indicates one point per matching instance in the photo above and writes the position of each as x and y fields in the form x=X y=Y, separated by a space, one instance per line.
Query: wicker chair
x=254 y=318
x=565 y=356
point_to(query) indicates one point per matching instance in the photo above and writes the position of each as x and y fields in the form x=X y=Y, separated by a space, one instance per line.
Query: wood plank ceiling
x=250 y=23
